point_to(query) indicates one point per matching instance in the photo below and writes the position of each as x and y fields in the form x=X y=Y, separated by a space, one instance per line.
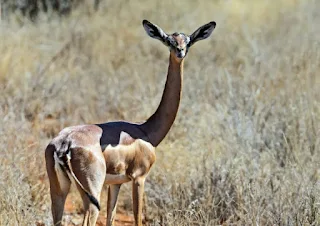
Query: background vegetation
x=245 y=147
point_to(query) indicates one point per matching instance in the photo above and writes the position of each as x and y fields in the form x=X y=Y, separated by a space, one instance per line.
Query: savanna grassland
x=245 y=147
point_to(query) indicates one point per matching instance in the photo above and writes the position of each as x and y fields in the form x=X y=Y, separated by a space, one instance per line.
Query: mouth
x=180 y=55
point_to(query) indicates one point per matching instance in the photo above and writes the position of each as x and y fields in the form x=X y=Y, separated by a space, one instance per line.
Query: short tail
x=67 y=164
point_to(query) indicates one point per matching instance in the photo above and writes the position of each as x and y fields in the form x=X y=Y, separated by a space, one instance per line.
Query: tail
x=65 y=160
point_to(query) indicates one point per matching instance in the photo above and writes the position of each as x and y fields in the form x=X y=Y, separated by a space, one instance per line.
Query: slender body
x=126 y=149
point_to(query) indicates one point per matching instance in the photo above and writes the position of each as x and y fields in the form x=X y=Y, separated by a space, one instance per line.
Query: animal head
x=179 y=43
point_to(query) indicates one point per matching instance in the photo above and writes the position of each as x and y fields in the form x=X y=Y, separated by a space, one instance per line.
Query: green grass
x=245 y=147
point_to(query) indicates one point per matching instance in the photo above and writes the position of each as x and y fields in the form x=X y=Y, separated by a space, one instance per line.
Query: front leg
x=137 y=198
x=113 y=192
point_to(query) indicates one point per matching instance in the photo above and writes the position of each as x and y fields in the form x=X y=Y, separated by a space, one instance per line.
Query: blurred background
x=245 y=147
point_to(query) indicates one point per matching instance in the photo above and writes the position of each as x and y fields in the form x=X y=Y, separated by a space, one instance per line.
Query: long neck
x=159 y=124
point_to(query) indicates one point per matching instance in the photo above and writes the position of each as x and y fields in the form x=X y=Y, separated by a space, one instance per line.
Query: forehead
x=179 y=39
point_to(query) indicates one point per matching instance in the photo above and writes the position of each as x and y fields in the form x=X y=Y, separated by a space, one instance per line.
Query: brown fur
x=180 y=41
x=134 y=159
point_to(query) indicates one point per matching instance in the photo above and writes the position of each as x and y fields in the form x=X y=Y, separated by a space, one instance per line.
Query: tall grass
x=244 y=149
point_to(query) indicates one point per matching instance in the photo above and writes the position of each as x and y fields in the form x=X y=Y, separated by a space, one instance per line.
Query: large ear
x=125 y=138
x=202 y=32
x=154 y=31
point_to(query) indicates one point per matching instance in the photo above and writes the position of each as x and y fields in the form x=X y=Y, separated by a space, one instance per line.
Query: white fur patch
x=57 y=161
x=64 y=182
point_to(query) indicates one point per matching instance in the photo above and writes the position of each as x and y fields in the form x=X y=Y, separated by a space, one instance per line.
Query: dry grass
x=245 y=147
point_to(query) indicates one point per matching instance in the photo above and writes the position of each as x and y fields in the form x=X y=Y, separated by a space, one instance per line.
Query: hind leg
x=91 y=212
x=94 y=187
x=90 y=169
x=59 y=186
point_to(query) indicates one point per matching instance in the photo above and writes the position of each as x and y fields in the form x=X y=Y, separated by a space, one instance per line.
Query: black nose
x=180 y=54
